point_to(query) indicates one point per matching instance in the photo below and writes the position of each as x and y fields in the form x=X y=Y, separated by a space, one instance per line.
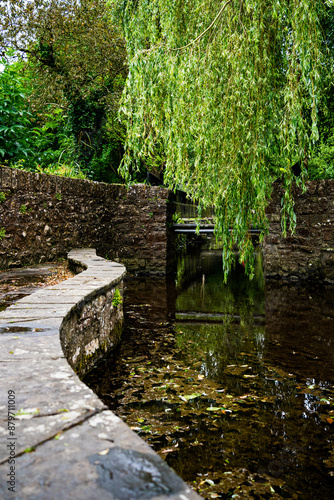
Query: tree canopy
x=228 y=94
x=76 y=60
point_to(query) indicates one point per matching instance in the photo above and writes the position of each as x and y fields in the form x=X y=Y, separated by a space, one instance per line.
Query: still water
x=232 y=384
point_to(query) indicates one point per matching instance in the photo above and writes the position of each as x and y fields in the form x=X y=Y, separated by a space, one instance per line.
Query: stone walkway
x=63 y=442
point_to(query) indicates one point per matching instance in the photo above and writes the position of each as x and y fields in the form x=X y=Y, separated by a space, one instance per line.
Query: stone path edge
x=64 y=443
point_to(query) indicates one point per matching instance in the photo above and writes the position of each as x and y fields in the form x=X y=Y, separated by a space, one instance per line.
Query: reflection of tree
x=219 y=317
x=218 y=345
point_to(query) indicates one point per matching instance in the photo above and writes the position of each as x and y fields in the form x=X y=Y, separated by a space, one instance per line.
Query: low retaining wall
x=45 y=216
x=63 y=442
x=309 y=253
x=93 y=326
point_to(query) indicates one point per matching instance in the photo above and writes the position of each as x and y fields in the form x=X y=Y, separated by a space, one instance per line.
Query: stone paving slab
x=67 y=444
x=108 y=466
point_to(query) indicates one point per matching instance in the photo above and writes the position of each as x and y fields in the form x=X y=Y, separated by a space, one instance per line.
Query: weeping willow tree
x=226 y=94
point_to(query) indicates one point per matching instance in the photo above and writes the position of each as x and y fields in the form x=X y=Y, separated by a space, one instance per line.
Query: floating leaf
x=330 y=420
x=188 y=397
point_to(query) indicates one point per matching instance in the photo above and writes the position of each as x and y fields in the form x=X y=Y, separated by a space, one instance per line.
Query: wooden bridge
x=204 y=228
x=188 y=221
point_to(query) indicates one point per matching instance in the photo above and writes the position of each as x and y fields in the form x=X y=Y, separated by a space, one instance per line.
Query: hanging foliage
x=228 y=91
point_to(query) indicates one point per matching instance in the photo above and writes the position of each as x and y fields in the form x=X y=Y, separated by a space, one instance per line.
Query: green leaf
x=215 y=408
x=189 y=397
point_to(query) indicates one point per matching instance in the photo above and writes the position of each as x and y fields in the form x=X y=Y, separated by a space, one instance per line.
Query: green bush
x=321 y=165
x=15 y=118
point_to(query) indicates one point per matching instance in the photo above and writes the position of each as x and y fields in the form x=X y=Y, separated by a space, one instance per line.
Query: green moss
x=117 y=298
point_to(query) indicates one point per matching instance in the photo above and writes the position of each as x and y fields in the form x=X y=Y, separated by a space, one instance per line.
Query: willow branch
x=207 y=29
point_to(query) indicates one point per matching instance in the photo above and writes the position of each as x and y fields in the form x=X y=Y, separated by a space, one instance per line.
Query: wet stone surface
x=233 y=385
x=131 y=474
x=21 y=282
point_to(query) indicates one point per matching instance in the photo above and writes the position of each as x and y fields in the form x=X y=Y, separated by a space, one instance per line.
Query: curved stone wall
x=64 y=443
x=93 y=326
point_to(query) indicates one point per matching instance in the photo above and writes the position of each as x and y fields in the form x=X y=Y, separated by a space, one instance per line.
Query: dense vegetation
x=70 y=78
x=220 y=97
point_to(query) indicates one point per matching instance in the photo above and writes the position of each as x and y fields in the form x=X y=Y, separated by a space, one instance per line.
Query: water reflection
x=301 y=318
x=231 y=383
x=218 y=322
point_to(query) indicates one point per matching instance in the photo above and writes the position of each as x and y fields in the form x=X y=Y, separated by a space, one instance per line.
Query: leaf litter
x=161 y=388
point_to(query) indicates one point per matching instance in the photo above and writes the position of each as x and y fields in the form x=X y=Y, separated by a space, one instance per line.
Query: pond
x=232 y=384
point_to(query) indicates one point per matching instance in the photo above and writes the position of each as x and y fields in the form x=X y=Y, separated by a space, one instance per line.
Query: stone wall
x=93 y=326
x=309 y=253
x=45 y=216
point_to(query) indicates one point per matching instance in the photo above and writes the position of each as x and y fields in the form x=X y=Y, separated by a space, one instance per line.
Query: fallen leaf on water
x=188 y=397
x=330 y=420
x=168 y=450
